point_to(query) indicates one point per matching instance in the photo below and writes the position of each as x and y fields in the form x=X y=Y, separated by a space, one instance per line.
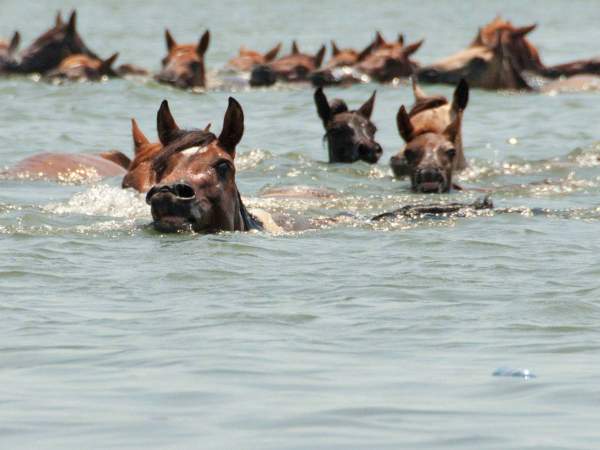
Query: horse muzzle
x=173 y=207
x=430 y=181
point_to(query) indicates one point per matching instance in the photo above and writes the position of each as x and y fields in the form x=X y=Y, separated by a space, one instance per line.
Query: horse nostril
x=183 y=191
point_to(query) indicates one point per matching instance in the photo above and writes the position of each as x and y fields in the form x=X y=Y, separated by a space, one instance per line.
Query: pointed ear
x=523 y=31
x=319 y=56
x=14 y=43
x=72 y=25
x=379 y=40
x=405 y=127
x=323 y=108
x=106 y=65
x=139 y=139
x=453 y=130
x=461 y=96
x=58 y=21
x=366 y=52
x=334 y=49
x=203 y=44
x=165 y=124
x=401 y=39
x=169 y=40
x=295 y=49
x=417 y=91
x=272 y=54
x=412 y=48
x=207 y=128
x=366 y=110
x=233 y=127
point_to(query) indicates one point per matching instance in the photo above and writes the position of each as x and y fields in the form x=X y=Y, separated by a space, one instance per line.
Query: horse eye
x=451 y=153
x=410 y=154
x=222 y=169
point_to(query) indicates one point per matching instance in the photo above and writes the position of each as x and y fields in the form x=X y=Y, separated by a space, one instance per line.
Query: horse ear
x=207 y=128
x=417 y=91
x=203 y=44
x=319 y=56
x=139 y=139
x=366 y=52
x=366 y=110
x=233 y=127
x=58 y=21
x=106 y=65
x=169 y=40
x=523 y=31
x=401 y=39
x=323 y=108
x=14 y=43
x=379 y=40
x=405 y=127
x=72 y=25
x=295 y=49
x=165 y=124
x=453 y=130
x=272 y=54
x=334 y=49
x=412 y=48
x=461 y=96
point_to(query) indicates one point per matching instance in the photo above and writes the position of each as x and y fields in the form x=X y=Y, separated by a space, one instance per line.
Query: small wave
x=103 y=200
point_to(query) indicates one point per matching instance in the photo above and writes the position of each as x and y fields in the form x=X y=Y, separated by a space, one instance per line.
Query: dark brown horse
x=195 y=185
x=247 y=59
x=52 y=47
x=429 y=154
x=296 y=66
x=183 y=66
x=350 y=134
x=494 y=62
x=435 y=114
x=8 y=49
x=84 y=68
x=387 y=61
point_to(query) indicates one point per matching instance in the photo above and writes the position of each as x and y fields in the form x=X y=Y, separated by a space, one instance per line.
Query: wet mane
x=429 y=103
x=250 y=222
x=195 y=138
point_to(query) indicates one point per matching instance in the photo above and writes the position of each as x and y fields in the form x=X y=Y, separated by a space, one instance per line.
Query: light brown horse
x=195 y=186
x=247 y=59
x=140 y=175
x=84 y=68
x=341 y=67
x=435 y=113
x=52 y=47
x=429 y=154
x=387 y=61
x=296 y=66
x=183 y=66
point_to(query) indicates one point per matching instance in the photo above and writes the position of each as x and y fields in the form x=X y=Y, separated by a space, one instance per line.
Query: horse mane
x=428 y=103
x=250 y=222
x=194 y=138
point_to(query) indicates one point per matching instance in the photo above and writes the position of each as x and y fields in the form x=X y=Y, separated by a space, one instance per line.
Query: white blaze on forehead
x=193 y=150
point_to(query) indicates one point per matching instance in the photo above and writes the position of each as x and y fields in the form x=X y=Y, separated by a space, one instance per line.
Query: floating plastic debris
x=508 y=372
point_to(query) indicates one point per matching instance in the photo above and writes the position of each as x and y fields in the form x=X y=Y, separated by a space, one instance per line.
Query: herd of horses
x=188 y=175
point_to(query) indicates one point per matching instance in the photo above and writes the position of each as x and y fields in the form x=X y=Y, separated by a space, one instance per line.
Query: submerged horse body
x=84 y=68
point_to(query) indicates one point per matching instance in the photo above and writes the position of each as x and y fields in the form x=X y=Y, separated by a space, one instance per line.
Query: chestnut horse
x=51 y=48
x=341 y=68
x=389 y=60
x=183 y=66
x=350 y=134
x=247 y=59
x=296 y=66
x=434 y=113
x=429 y=155
x=83 y=67
x=195 y=186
